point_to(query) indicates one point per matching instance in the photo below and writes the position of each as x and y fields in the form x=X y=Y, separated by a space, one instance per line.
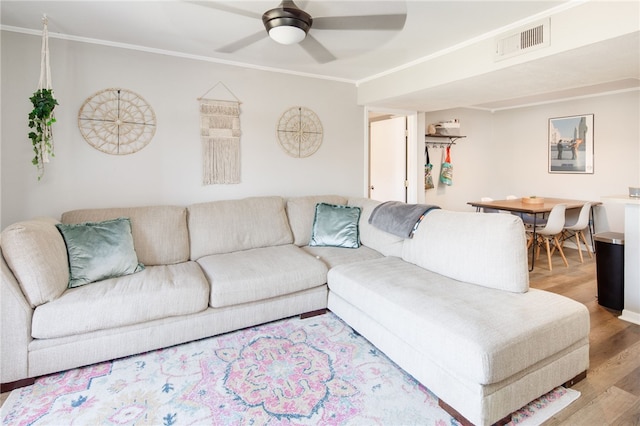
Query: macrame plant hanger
x=220 y=136
x=41 y=118
x=45 y=68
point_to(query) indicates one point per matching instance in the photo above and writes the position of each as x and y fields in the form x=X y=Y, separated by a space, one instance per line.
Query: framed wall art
x=571 y=144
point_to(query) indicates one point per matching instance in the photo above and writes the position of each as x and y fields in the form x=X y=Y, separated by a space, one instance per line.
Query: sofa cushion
x=479 y=334
x=233 y=225
x=491 y=247
x=262 y=273
x=384 y=242
x=157 y=292
x=335 y=226
x=160 y=234
x=334 y=256
x=36 y=254
x=301 y=211
x=99 y=250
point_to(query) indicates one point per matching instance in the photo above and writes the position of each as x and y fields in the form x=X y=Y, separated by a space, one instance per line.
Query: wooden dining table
x=536 y=210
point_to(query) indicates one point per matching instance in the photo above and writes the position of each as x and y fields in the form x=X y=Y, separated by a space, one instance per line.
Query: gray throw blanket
x=399 y=218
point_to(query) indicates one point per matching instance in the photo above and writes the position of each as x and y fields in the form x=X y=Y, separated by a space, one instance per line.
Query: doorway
x=388 y=136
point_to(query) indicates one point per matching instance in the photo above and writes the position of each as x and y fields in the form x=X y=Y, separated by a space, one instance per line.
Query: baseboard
x=572 y=245
x=630 y=316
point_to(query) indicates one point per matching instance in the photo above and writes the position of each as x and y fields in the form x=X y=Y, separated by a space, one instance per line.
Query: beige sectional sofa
x=451 y=305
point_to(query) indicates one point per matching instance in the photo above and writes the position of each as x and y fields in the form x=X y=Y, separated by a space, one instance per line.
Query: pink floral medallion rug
x=314 y=371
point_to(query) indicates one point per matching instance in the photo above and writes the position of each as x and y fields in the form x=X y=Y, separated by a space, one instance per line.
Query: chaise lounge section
x=451 y=305
x=456 y=312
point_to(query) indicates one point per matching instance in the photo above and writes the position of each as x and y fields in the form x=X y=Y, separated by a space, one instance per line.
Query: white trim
x=564 y=6
x=630 y=316
x=491 y=34
x=366 y=157
x=412 y=156
x=170 y=53
x=554 y=101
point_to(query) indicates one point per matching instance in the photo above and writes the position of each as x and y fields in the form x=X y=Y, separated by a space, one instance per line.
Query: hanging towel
x=428 y=178
x=446 y=171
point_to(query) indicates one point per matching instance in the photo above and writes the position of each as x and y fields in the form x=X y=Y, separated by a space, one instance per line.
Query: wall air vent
x=522 y=40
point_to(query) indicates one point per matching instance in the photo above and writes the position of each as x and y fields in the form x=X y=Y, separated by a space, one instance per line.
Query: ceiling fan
x=288 y=24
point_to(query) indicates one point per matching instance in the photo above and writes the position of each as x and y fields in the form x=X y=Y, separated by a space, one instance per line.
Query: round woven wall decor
x=117 y=121
x=299 y=132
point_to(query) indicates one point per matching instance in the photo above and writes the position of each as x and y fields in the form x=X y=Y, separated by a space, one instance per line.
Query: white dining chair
x=549 y=234
x=487 y=209
x=576 y=226
x=527 y=218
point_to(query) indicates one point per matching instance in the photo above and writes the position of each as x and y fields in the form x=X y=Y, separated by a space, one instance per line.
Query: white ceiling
x=197 y=29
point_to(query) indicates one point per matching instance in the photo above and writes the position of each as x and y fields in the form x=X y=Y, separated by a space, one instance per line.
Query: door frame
x=411 y=154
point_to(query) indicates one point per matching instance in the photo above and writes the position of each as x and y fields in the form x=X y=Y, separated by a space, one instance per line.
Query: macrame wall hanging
x=220 y=136
x=117 y=121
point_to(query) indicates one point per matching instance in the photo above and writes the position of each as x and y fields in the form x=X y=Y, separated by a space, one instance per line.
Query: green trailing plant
x=41 y=120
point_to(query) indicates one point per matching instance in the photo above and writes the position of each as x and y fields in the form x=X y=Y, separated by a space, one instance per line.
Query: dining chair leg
x=546 y=243
x=557 y=243
x=579 y=248
x=586 y=245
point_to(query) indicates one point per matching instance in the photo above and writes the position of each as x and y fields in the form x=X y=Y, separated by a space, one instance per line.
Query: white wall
x=168 y=170
x=472 y=159
x=506 y=153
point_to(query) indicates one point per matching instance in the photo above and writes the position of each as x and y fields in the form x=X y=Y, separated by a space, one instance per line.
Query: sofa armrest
x=15 y=328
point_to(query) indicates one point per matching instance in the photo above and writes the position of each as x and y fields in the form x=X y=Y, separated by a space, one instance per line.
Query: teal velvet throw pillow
x=99 y=250
x=336 y=226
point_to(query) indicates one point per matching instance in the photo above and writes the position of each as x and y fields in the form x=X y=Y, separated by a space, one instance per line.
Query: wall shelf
x=450 y=139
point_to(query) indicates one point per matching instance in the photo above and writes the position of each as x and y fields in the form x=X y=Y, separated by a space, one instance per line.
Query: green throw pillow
x=335 y=226
x=99 y=250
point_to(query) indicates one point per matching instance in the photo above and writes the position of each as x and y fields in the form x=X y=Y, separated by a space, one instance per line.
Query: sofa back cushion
x=483 y=249
x=232 y=225
x=37 y=256
x=160 y=234
x=301 y=212
x=372 y=237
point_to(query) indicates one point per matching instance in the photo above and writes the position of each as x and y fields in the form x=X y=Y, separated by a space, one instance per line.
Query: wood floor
x=610 y=395
x=611 y=391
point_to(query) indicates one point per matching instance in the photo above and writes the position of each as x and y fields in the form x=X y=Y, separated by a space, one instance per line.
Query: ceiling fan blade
x=317 y=50
x=243 y=42
x=225 y=8
x=367 y=22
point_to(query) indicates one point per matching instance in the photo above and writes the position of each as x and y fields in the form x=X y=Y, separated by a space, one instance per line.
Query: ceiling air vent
x=522 y=40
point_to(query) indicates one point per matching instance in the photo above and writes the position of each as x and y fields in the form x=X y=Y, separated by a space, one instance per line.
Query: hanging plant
x=40 y=120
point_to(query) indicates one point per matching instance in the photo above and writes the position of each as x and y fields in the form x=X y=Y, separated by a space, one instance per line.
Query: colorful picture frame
x=571 y=144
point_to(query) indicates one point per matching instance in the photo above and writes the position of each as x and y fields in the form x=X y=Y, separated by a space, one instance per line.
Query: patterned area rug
x=291 y=372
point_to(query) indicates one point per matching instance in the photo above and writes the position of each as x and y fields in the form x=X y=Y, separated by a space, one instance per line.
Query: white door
x=388 y=159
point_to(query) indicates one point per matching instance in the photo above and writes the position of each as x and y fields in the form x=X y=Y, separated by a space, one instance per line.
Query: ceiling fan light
x=287 y=24
x=287 y=34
